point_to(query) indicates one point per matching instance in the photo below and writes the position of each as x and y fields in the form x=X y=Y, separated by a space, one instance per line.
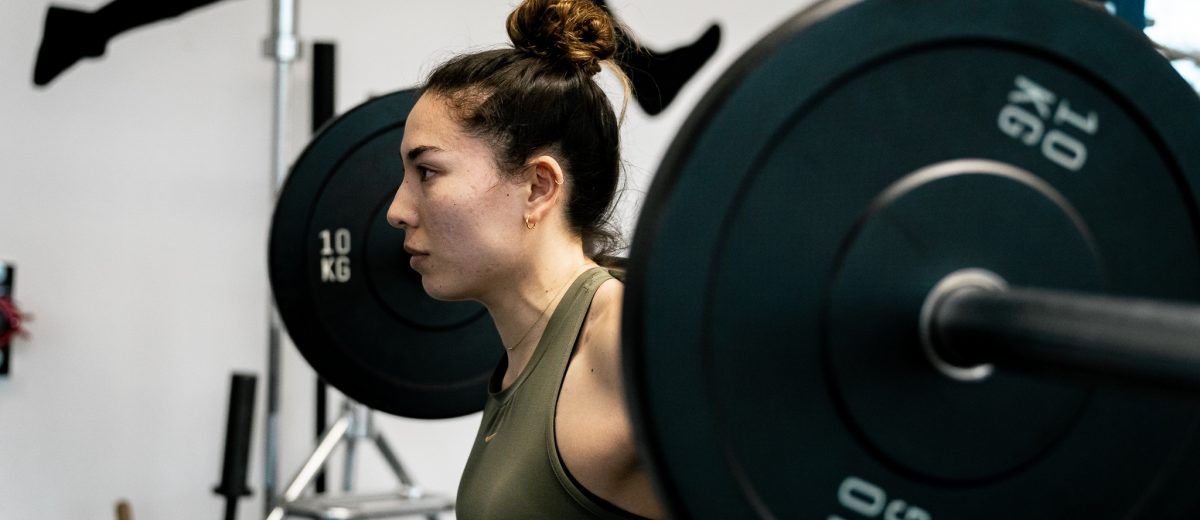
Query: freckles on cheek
x=470 y=221
x=453 y=223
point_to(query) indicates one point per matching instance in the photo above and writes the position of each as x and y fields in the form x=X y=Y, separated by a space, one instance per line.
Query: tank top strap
x=562 y=330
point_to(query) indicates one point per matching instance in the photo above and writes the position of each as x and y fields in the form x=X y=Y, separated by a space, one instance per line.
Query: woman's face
x=462 y=218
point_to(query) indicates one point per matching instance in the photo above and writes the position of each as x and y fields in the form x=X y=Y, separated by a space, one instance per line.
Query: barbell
x=905 y=260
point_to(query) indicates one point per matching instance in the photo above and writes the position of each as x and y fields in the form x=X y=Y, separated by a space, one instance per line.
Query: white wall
x=135 y=200
x=1173 y=23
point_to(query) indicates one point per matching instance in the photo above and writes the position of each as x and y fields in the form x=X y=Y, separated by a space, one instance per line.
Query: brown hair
x=539 y=97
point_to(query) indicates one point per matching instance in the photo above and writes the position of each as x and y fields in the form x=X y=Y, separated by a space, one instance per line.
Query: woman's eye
x=424 y=173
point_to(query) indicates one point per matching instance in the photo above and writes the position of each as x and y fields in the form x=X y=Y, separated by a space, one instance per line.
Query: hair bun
x=575 y=31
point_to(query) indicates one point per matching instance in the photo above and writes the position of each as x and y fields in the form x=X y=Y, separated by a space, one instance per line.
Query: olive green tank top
x=514 y=471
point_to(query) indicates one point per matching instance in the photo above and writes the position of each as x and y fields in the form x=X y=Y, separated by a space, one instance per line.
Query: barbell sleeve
x=1147 y=342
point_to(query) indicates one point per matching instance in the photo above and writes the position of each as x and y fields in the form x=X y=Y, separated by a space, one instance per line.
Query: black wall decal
x=657 y=77
x=71 y=35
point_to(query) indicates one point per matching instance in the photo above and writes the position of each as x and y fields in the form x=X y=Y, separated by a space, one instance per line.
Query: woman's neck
x=521 y=308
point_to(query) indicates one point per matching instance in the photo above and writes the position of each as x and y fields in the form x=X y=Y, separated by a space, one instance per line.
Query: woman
x=511 y=164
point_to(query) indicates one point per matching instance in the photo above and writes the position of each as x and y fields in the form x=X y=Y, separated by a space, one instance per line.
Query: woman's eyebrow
x=416 y=152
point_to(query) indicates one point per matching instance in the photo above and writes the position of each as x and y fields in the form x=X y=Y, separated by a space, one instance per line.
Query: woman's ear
x=545 y=185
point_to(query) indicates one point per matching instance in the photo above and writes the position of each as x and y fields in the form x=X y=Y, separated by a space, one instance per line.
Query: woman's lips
x=417 y=256
x=417 y=259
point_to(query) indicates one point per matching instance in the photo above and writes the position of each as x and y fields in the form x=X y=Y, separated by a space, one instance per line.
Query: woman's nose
x=402 y=213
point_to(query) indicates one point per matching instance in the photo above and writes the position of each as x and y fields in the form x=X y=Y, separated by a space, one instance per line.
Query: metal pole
x=284 y=47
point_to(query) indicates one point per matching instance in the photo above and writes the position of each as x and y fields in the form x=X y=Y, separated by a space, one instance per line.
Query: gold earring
x=529 y=225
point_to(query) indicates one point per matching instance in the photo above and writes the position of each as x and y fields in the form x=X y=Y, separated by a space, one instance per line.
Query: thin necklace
x=525 y=336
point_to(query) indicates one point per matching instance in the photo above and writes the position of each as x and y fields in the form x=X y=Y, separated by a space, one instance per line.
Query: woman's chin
x=440 y=292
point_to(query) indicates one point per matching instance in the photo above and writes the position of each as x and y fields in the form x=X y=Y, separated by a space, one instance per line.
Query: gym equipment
x=1140 y=341
x=978 y=164
x=237 y=442
x=283 y=47
x=356 y=424
x=324 y=63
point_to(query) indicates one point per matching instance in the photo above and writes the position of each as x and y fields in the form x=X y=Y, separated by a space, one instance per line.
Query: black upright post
x=322 y=111
x=237 y=442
